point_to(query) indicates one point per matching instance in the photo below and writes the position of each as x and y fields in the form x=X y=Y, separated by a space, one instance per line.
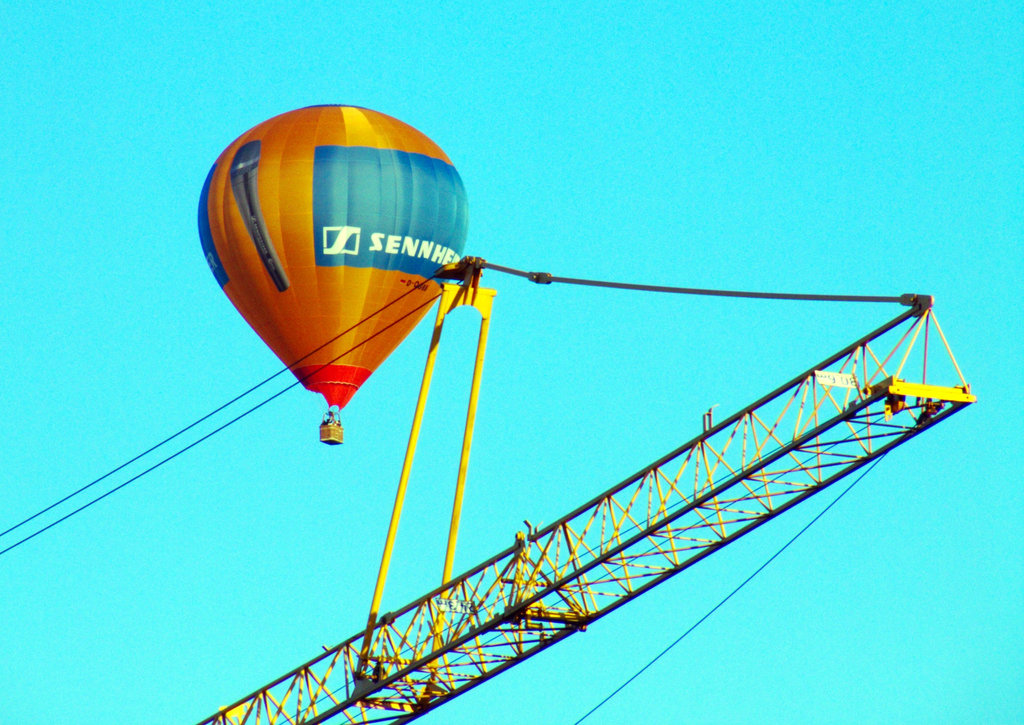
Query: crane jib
x=829 y=421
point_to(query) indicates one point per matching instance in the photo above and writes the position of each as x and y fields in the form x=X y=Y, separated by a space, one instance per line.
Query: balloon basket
x=331 y=432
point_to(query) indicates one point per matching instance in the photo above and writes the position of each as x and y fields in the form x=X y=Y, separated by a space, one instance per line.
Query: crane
x=732 y=477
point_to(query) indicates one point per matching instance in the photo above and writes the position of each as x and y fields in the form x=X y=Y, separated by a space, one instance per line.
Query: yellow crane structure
x=825 y=423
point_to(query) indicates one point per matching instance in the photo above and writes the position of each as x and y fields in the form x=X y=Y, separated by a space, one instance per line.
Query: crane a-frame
x=825 y=423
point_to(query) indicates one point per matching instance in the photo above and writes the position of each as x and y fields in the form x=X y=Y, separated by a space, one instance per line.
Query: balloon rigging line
x=729 y=596
x=216 y=430
x=546 y=278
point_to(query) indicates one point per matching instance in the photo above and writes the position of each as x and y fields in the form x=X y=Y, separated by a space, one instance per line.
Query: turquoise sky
x=868 y=148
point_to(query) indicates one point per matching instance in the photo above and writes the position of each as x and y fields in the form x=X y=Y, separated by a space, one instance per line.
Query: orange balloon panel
x=324 y=227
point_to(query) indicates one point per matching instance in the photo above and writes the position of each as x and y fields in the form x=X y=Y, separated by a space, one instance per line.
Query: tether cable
x=730 y=595
x=209 y=415
x=547 y=278
x=216 y=430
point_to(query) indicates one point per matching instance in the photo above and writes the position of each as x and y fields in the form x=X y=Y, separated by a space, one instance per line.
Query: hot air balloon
x=324 y=226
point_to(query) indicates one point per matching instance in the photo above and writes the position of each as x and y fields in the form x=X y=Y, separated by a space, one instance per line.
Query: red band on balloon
x=337 y=383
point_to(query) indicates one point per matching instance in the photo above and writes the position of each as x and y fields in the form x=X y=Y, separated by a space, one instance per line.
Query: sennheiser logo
x=341 y=240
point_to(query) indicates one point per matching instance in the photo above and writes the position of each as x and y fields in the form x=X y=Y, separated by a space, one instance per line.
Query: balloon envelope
x=323 y=227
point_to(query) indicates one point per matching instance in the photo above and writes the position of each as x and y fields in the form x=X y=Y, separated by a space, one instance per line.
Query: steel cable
x=736 y=590
x=546 y=278
x=206 y=417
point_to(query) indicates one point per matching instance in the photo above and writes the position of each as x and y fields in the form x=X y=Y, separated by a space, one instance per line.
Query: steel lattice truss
x=735 y=476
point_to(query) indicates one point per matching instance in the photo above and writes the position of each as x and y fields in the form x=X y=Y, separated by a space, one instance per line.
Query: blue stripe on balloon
x=365 y=198
x=206 y=236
